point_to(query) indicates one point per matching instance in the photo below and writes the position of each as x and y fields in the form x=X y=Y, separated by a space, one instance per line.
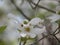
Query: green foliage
x=2 y=13
x=2 y=42
x=27 y=38
x=41 y=15
x=2 y=28
x=58 y=21
x=52 y=5
x=15 y=12
x=32 y=16
x=59 y=12
x=23 y=39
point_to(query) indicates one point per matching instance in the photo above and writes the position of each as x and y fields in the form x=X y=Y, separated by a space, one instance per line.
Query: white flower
x=32 y=28
x=36 y=21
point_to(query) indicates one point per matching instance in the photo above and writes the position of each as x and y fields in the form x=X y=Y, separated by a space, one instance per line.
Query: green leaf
x=2 y=28
x=2 y=42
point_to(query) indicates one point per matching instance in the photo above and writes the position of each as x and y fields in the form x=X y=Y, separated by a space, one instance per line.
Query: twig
x=37 y=4
x=57 y=38
x=20 y=43
x=55 y=30
x=20 y=10
x=24 y=43
x=43 y=7
x=45 y=37
x=31 y=5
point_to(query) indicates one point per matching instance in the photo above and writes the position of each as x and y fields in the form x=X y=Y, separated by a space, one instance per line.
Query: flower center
x=27 y=29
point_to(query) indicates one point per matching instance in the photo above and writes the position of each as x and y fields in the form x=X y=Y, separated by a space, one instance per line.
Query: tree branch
x=20 y=10
x=37 y=4
x=57 y=38
x=47 y=36
x=43 y=7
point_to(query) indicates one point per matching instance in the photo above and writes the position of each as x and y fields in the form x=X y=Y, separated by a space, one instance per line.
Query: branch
x=20 y=10
x=57 y=38
x=37 y=4
x=47 y=36
x=43 y=7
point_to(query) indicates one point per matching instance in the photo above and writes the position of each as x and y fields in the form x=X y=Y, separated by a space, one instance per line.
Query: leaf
x=2 y=42
x=2 y=28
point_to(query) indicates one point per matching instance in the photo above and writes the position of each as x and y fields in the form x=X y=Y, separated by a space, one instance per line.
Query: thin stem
x=55 y=30
x=57 y=38
x=37 y=4
x=43 y=7
x=24 y=43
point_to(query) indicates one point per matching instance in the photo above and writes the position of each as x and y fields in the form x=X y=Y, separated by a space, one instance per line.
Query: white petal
x=35 y=21
x=57 y=8
x=23 y=35
x=54 y=17
x=38 y=30
x=15 y=17
x=32 y=35
x=54 y=26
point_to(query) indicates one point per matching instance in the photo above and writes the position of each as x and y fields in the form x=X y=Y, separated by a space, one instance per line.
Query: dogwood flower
x=33 y=28
x=53 y=19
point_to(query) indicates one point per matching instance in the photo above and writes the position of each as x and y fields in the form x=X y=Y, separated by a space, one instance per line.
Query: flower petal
x=23 y=35
x=35 y=21
x=54 y=17
x=32 y=35
x=38 y=30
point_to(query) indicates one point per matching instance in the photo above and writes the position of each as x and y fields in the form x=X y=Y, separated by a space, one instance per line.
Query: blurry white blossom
x=54 y=17
x=32 y=28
